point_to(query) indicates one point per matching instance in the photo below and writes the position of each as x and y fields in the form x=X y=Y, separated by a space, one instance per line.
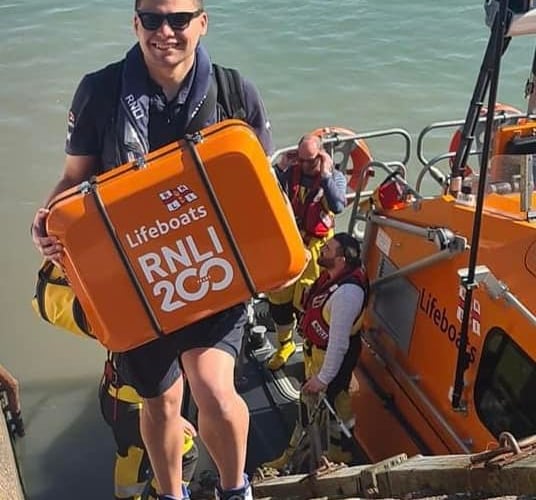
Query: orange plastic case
x=198 y=226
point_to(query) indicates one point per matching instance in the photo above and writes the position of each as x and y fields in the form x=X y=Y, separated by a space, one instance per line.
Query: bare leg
x=223 y=419
x=163 y=435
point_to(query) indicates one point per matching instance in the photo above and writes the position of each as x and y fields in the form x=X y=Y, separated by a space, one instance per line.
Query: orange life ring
x=456 y=138
x=359 y=154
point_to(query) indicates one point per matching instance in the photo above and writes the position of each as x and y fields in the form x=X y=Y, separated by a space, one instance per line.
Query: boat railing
x=390 y=168
x=448 y=245
x=429 y=164
x=375 y=134
x=331 y=143
x=498 y=289
x=341 y=143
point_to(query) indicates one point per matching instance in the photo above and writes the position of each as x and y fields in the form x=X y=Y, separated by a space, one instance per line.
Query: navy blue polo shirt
x=164 y=114
x=89 y=114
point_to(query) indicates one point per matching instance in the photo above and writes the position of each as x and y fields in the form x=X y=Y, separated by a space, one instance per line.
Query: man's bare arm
x=76 y=170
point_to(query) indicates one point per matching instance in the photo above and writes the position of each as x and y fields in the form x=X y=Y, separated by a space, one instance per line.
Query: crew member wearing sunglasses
x=158 y=93
x=317 y=191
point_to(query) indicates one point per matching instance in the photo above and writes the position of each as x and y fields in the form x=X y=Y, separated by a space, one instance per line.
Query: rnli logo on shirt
x=135 y=107
x=70 y=125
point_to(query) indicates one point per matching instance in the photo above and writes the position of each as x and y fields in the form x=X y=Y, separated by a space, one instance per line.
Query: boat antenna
x=530 y=88
x=481 y=87
x=491 y=65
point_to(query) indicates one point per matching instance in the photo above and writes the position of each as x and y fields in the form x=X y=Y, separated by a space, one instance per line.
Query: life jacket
x=315 y=322
x=225 y=100
x=313 y=218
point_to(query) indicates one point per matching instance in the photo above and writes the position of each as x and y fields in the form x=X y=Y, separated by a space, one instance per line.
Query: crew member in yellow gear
x=333 y=312
x=120 y=403
x=120 y=407
x=317 y=191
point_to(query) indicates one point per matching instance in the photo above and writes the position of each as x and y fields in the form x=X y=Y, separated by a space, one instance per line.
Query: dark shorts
x=152 y=368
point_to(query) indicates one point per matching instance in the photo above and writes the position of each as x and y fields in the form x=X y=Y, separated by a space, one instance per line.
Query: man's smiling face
x=166 y=46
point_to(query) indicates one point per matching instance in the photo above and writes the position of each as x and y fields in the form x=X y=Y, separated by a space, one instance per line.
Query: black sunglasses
x=178 y=21
x=309 y=161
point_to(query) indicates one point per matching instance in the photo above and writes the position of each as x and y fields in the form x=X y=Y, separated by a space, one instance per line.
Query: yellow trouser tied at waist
x=294 y=292
x=125 y=394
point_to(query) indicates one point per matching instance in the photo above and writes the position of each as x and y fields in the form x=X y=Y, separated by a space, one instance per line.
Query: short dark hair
x=198 y=3
x=351 y=249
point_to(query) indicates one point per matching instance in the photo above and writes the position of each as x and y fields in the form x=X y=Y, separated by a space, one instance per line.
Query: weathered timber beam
x=399 y=476
x=454 y=474
x=340 y=482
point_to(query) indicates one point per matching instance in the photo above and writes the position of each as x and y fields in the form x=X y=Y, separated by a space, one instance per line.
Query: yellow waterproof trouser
x=120 y=407
x=339 y=446
x=133 y=471
x=293 y=294
x=313 y=359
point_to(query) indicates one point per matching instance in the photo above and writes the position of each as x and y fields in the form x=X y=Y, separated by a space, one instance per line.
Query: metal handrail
x=436 y=173
x=390 y=168
x=365 y=135
x=498 y=119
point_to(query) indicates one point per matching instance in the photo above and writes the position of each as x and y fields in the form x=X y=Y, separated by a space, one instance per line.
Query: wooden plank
x=398 y=477
x=10 y=486
x=454 y=474
x=340 y=482
x=368 y=477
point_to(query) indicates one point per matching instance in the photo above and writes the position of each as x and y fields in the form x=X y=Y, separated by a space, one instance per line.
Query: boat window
x=505 y=387
x=396 y=307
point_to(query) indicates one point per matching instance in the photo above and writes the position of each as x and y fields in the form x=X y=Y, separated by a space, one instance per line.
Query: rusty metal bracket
x=326 y=467
x=509 y=451
x=263 y=473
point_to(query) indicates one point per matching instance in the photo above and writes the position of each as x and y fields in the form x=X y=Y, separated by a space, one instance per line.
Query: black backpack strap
x=205 y=111
x=230 y=92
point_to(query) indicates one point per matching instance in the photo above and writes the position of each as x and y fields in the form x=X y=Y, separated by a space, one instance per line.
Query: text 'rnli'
x=187 y=271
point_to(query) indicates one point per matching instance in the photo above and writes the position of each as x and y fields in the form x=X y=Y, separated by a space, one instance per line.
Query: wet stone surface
x=9 y=479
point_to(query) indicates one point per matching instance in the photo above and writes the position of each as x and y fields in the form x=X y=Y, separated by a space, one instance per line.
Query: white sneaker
x=243 y=493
